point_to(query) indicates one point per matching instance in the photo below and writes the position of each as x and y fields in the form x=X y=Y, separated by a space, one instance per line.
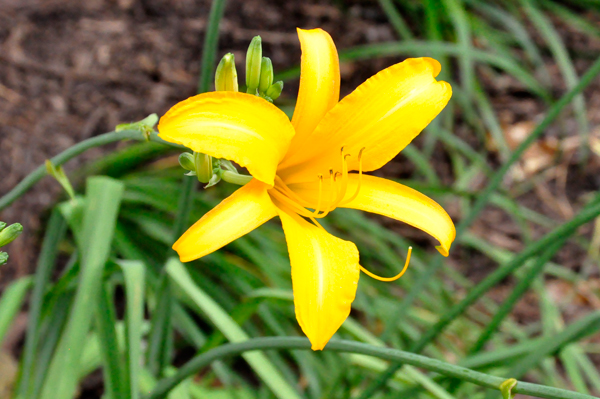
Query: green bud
x=8 y=234
x=186 y=161
x=274 y=91
x=226 y=76
x=3 y=258
x=2 y=226
x=253 y=61
x=204 y=169
x=266 y=75
x=59 y=174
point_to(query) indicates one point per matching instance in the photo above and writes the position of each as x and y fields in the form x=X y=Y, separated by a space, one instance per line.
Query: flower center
x=338 y=187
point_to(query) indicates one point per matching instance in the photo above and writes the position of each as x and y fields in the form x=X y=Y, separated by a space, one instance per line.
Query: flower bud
x=3 y=258
x=8 y=234
x=226 y=76
x=2 y=225
x=274 y=91
x=253 y=61
x=186 y=161
x=266 y=75
x=204 y=169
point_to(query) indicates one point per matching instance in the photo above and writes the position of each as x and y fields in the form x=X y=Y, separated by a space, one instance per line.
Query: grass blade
x=134 y=274
x=113 y=368
x=586 y=325
x=11 y=303
x=102 y=205
x=563 y=60
x=396 y=19
x=517 y=293
x=55 y=232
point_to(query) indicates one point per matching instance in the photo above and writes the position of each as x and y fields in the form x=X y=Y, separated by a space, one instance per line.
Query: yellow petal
x=382 y=115
x=394 y=200
x=235 y=126
x=319 y=82
x=246 y=209
x=324 y=276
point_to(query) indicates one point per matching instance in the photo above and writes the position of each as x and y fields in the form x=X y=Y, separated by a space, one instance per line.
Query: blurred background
x=70 y=70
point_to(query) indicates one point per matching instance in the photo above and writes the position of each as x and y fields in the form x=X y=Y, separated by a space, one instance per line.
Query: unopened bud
x=274 y=91
x=266 y=75
x=8 y=234
x=59 y=174
x=253 y=61
x=186 y=161
x=204 y=169
x=3 y=258
x=226 y=76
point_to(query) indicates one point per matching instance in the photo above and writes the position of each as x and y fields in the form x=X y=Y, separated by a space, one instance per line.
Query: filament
x=318 y=208
x=358 y=187
x=286 y=190
x=396 y=277
x=289 y=202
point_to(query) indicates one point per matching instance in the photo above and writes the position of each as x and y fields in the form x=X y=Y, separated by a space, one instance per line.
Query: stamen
x=358 y=187
x=376 y=277
x=290 y=207
x=279 y=184
x=289 y=202
x=342 y=193
x=283 y=193
x=318 y=208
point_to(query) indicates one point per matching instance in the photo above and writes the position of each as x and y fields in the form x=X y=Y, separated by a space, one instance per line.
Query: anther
x=376 y=277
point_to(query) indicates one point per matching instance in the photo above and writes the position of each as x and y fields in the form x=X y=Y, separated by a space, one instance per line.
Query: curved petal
x=246 y=209
x=394 y=200
x=319 y=82
x=382 y=115
x=235 y=126
x=324 y=276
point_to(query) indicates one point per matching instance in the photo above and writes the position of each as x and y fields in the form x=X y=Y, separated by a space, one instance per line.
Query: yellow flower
x=302 y=169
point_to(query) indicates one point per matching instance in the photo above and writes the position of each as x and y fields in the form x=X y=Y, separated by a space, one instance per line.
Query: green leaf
x=113 y=368
x=55 y=232
x=11 y=303
x=103 y=197
x=134 y=273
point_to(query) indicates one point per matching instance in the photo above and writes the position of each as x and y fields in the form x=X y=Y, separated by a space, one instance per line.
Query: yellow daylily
x=302 y=169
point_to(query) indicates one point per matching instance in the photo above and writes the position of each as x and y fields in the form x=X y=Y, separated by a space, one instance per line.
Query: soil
x=73 y=69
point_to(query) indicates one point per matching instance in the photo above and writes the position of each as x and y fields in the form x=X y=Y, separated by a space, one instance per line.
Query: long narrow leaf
x=134 y=273
x=103 y=196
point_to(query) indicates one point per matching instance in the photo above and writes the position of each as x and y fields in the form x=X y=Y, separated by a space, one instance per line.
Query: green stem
x=211 y=41
x=236 y=178
x=293 y=343
x=396 y=19
x=71 y=153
